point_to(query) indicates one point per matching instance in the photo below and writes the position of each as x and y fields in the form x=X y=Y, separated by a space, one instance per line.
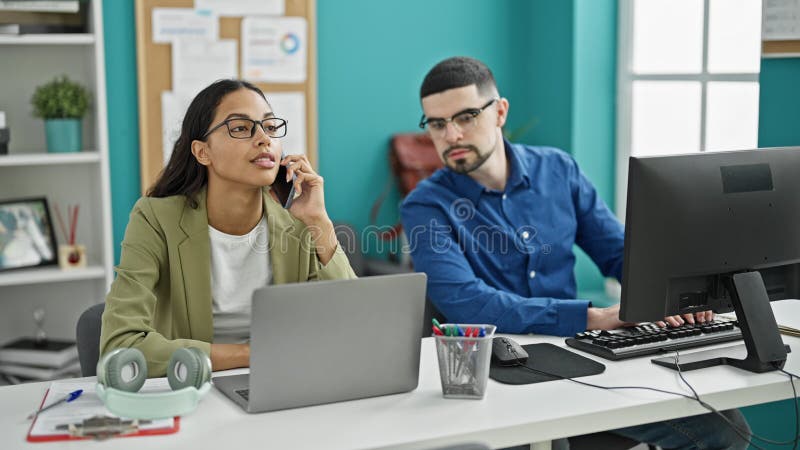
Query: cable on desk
x=741 y=433
x=736 y=429
x=789 y=373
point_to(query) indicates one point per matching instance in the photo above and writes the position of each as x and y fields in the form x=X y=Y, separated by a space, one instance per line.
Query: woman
x=210 y=232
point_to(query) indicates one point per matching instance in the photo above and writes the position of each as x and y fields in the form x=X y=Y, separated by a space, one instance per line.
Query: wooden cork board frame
x=777 y=48
x=153 y=61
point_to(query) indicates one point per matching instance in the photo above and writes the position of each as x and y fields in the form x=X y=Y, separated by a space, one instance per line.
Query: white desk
x=508 y=415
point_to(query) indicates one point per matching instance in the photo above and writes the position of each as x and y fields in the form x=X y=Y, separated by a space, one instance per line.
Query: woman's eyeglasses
x=242 y=128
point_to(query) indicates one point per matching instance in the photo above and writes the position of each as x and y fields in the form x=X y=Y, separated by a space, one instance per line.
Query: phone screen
x=283 y=189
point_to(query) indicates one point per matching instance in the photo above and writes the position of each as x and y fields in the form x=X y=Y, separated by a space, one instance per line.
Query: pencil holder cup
x=71 y=256
x=464 y=360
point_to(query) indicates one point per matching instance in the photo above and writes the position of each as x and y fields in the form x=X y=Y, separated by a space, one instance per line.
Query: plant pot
x=63 y=135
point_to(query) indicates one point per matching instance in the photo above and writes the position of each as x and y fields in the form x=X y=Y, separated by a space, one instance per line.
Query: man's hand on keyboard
x=604 y=318
x=698 y=317
x=608 y=319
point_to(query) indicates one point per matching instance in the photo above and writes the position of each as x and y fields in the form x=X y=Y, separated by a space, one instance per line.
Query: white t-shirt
x=239 y=266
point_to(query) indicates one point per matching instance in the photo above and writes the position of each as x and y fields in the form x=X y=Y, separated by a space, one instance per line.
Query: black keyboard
x=244 y=393
x=649 y=338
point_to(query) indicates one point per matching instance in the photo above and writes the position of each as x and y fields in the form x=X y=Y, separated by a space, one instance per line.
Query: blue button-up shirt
x=506 y=258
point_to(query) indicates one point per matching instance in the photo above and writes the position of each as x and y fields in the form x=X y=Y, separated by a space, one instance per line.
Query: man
x=494 y=232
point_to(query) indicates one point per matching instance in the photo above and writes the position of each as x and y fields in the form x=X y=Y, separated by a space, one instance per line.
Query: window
x=687 y=79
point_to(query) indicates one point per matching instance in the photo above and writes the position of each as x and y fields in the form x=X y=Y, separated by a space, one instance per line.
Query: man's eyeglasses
x=463 y=121
x=242 y=128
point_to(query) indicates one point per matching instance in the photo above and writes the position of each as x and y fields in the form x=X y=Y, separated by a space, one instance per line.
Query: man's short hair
x=457 y=72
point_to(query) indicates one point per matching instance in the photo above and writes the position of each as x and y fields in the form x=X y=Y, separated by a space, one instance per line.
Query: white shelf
x=48 y=39
x=65 y=178
x=42 y=159
x=53 y=274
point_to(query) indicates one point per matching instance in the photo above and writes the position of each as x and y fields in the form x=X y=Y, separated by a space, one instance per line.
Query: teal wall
x=119 y=35
x=542 y=89
x=774 y=421
x=594 y=99
x=779 y=103
x=594 y=112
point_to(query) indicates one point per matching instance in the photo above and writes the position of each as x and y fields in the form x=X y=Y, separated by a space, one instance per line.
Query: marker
x=437 y=331
x=436 y=324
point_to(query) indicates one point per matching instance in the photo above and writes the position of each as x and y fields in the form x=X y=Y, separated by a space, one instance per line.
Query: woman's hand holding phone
x=307 y=202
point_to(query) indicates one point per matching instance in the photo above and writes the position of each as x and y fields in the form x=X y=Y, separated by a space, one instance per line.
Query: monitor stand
x=763 y=349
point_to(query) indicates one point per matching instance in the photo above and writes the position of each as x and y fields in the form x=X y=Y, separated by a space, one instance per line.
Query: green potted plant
x=62 y=103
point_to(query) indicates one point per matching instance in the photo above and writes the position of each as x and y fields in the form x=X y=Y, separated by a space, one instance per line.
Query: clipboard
x=87 y=418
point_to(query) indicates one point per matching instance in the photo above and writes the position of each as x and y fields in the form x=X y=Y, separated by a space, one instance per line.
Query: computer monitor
x=717 y=231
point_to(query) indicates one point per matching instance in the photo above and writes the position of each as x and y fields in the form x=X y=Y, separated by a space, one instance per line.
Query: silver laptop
x=329 y=341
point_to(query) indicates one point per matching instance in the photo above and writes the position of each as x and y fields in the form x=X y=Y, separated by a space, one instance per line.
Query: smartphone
x=283 y=189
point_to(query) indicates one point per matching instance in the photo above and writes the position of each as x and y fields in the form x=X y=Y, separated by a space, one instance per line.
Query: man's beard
x=461 y=165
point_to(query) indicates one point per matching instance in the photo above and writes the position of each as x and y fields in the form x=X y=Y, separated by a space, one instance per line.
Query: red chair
x=412 y=158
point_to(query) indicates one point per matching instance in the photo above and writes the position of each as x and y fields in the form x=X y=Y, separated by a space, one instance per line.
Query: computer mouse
x=507 y=352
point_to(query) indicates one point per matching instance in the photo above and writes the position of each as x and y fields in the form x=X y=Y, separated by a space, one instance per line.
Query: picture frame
x=27 y=237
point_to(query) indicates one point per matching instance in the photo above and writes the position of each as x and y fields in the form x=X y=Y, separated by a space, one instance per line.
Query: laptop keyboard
x=244 y=393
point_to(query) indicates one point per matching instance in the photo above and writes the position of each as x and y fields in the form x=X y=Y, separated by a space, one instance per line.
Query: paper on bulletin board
x=780 y=20
x=292 y=107
x=239 y=8
x=173 y=108
x=274 y=49
x=175 y=23
x=196 y=63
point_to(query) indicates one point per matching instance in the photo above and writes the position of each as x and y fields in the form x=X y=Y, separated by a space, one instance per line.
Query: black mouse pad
x=547 y=358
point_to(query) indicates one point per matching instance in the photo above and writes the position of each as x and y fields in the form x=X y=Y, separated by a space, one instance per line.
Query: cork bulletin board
x=154 y=60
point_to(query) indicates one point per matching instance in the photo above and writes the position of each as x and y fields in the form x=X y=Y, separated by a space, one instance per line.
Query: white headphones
x=121 y=373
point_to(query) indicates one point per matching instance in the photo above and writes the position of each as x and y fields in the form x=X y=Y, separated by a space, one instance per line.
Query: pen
x=449 y=331
x=66 y=399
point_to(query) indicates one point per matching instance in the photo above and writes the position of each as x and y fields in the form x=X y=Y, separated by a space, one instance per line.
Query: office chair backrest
x=350 y=244
x=87 y=337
